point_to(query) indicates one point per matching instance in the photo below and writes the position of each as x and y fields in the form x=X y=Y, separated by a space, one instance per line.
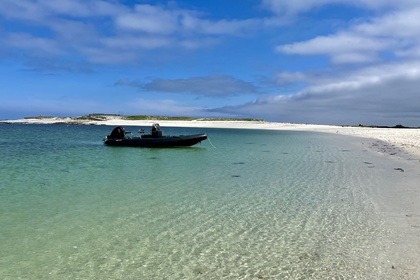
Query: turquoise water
x=261 y=205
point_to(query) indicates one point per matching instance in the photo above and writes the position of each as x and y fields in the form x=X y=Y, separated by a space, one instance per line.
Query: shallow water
x=261 y=205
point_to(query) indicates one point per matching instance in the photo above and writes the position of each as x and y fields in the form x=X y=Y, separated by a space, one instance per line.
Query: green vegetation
x=166 y=118
x=39 y=117
x=163 y=118
x=92 y=117
x=104 y=117
x=232 y=119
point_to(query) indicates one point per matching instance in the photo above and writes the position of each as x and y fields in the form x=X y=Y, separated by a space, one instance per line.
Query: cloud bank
x=386 y=94
x=374 y=75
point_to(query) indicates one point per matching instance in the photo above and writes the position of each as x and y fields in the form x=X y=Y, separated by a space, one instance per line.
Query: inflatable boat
x=156 y=139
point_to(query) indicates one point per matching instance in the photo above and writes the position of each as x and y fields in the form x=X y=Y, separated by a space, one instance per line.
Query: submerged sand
x=399 y=203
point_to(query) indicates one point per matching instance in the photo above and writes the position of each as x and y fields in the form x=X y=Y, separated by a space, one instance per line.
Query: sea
x=244 y=204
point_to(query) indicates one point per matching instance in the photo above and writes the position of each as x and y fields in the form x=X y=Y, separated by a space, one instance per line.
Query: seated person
x=156 y=132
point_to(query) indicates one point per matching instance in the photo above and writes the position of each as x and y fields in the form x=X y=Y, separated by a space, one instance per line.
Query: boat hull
x=158 y=142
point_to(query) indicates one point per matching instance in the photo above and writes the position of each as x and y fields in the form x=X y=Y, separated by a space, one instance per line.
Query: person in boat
x=156 y=132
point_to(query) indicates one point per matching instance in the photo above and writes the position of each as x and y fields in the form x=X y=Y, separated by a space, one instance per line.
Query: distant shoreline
x=111 y=119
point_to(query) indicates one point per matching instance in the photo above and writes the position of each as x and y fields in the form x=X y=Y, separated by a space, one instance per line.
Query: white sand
x=400 y=204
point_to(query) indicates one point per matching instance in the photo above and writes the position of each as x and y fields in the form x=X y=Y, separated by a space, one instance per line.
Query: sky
x=302 y=61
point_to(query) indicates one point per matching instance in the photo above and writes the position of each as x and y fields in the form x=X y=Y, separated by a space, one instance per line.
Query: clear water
x=261 y=205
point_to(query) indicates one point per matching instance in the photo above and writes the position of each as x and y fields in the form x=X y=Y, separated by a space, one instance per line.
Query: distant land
x=384 y=126
x=97 y=117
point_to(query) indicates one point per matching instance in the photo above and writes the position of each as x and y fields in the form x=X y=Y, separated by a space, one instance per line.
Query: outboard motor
x=117 y=134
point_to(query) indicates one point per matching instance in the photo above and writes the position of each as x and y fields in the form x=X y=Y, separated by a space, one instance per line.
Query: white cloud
x=41 y=11
x=384 y=94
x=165 y=107
x=214 y=86
x=384 y=4
x=293 y=8
x=220 y=27
x=342 y=47
x=284 y=78
x=69 y=28
x=150 y=19
x=130 y=42
x=160 y=20
x=397 y=33
x=402 y=24
x=36 y=45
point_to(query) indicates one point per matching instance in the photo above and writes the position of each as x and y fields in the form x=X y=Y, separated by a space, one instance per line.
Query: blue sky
x=306 y=61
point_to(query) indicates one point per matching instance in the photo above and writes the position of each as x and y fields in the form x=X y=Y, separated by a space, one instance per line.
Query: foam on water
x=262 y=205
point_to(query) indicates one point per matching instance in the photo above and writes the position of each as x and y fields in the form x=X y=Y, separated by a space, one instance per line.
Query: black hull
x=158 y=142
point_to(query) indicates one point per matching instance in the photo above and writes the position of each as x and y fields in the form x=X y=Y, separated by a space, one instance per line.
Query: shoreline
x=399 y=142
